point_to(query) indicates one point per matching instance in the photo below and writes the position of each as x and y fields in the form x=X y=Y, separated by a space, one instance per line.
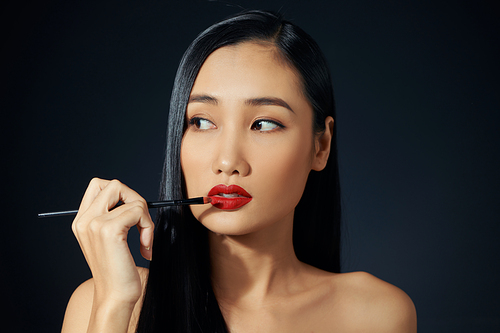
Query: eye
x=265 y=125
x=201 y=123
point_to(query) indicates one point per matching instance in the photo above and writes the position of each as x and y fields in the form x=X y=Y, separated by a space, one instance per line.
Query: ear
x=322 y=144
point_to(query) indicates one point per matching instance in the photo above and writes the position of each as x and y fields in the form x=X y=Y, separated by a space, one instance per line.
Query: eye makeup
x=201 y=124
x=267 y=125
x=261 y=125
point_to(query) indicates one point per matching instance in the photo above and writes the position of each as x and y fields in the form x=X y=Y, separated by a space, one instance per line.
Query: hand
x=102 y=233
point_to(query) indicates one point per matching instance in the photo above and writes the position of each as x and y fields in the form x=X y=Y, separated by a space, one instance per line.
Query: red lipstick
x=229 y=197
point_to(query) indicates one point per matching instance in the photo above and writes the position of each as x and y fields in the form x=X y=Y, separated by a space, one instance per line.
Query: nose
x=229 y=156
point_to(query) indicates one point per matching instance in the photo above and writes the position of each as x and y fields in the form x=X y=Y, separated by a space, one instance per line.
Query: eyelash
x=279 y=125
x=195 y=122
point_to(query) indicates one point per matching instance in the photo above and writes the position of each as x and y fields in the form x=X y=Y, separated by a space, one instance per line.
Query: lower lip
x=229 y=203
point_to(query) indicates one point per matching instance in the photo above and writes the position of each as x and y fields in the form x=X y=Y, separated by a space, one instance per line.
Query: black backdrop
x=85 y=92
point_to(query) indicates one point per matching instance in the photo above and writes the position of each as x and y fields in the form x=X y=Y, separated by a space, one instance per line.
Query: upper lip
x=228 y=189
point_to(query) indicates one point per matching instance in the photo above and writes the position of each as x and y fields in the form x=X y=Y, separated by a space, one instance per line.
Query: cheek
x=194 y=157
x=285 y=169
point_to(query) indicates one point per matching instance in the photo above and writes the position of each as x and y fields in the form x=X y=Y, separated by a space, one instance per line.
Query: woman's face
x=248 y=125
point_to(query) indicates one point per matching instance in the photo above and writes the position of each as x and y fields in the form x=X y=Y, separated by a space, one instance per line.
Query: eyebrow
x=268 y=101
x=203 y=99
x=251 y=101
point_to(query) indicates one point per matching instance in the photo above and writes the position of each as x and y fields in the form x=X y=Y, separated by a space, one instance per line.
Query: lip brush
x=152 y=204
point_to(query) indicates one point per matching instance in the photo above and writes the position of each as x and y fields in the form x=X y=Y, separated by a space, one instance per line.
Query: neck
x=254 y=266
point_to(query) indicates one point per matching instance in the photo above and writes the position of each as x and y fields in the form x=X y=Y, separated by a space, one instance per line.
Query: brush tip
x=207 y=200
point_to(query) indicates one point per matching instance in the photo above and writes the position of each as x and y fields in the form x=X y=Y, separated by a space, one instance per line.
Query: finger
x=135 y=213
x=114 y=192
x=146 y=240
x=96 y=185
x=143 y=222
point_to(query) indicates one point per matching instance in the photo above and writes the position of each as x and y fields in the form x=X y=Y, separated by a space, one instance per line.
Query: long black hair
x=179 y=295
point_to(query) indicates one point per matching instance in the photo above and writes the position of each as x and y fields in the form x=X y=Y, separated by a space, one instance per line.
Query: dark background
x=85 y=88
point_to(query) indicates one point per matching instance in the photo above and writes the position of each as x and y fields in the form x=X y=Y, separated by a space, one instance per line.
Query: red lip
x=225 y=203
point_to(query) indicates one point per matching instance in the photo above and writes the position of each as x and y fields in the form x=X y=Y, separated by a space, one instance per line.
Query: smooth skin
x=250 y=125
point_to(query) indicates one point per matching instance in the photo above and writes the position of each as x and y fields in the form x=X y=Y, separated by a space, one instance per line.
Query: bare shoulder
x=77 y=316
x=367 y=302
x=143 y=273
x=79 y=308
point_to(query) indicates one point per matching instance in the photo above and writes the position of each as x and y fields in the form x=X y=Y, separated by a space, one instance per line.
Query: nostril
x=234 y=172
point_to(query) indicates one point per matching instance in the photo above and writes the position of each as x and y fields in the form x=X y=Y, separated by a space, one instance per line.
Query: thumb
x=146 y=240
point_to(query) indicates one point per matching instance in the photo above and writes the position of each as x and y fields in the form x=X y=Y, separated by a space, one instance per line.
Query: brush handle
x=63 y=213
x=180 y=202
x=152 y=204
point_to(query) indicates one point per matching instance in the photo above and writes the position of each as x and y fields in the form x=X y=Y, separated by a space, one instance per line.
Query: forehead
x=248 y=69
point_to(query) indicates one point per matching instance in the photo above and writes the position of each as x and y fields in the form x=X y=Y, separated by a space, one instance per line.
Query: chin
x=229 y=227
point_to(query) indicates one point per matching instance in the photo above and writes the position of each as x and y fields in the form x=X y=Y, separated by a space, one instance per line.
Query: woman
x=251 y=125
